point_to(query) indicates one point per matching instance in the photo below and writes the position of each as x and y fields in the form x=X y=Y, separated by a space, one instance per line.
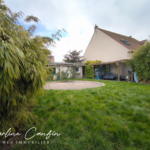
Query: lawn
x=113 y=117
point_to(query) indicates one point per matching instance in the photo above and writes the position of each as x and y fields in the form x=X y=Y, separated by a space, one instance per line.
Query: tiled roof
x=134 y=44
x=142 y=42
x=66 y=64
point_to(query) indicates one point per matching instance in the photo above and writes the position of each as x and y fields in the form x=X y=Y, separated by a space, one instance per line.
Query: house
x=112 y=49
x=109 y=46
x=60 y=67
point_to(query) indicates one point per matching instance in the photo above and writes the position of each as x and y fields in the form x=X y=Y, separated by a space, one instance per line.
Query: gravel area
x=72 y=85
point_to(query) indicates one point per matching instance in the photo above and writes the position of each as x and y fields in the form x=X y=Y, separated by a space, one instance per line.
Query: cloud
x=79 y=17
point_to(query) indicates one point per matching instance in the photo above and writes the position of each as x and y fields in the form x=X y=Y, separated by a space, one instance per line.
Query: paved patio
x=71 y=85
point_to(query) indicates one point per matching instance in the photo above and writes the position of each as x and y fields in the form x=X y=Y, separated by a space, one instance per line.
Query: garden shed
x=60 y=67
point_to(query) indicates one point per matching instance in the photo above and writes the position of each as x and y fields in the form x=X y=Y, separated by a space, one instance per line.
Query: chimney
x=51 y=58
x=95 y=26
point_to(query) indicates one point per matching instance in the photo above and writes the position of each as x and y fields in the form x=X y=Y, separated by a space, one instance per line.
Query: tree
x=73 y=57
x=23 y=70
x=140 y=62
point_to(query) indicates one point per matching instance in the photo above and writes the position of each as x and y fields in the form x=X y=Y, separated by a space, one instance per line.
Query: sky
x=78 y=18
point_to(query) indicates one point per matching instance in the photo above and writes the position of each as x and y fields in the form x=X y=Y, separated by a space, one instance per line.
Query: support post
x=93 y=71
x=60 y=72
x=118 y=64
x=132 y=76
x=85 y=71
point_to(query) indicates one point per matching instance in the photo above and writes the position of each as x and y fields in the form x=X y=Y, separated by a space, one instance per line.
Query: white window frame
x=78 y=70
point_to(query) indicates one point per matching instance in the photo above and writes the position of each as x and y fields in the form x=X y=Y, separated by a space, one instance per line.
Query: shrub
x=89 y=71
x=73 y=73
x=65 y=74
x=89 y=68
x=92 y=62
x=69 y=73
x=23 y=60
x=140 y=62
x=49 y=73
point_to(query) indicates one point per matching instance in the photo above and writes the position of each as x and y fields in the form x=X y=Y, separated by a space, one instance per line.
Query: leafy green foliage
x=65 y=74
x=112 y=117
x=73 y=57
x=49 y=73
x=58 y=73
x=70 y=73
x=23 y=70
x=140 y=62
x=89 y=71
x=92 y=62
x=73 y=73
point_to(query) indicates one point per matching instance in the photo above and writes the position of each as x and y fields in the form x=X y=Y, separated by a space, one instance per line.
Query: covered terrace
x=119 y=67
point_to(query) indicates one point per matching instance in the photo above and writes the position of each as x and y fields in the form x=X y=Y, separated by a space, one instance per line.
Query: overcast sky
x=78 y=18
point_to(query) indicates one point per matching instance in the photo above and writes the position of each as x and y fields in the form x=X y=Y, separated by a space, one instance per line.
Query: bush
x=49 y=73
x=73 y=73
x=65 y=74
x=89 y=71
x=23 y=70
x=92 y=62
x=89 y=68
x=140 y=62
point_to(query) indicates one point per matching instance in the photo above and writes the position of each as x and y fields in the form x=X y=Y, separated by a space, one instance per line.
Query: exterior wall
x=129 y=55
x=113 y=68
x=123 y=69
x=64 y=68
x=51 y=58
x=104 y=48
x=80 y=74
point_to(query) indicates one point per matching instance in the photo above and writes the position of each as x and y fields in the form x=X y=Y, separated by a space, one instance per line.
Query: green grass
x=113 y=117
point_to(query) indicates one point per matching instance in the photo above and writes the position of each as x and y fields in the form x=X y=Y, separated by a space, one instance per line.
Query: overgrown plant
x=73 y=73
x=140 y=62
x=89 y=71
x=89 y=68
x=69 y=73
x=92 y=62
x=23 y=70
x=58 y=73
x=50 y=73
x=65 y=74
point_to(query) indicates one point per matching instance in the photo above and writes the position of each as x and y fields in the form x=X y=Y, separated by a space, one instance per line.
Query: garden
x=110 y=117
x=114 y=116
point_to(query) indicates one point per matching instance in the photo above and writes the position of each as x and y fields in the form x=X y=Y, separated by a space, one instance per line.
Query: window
x=77 y=69
x=125 y=42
